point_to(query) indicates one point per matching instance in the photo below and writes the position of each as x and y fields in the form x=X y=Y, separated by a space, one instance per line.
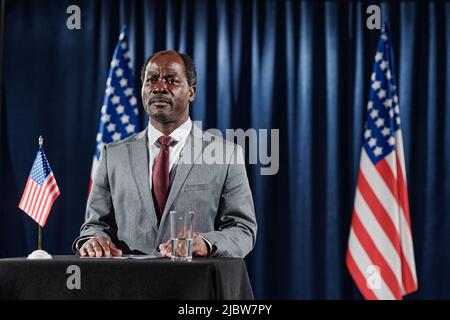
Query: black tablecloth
x=104 y=278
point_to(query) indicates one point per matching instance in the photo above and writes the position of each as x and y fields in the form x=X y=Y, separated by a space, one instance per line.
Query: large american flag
x=380 y=255
x=40 y=191
x=119 y=112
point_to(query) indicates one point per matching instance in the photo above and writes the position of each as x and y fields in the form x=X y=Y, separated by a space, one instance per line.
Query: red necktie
x=160 y=176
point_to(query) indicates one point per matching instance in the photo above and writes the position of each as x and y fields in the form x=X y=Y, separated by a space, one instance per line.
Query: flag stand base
x=39 y=254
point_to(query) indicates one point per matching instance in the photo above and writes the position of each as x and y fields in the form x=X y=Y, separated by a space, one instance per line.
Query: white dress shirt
x=179 y=135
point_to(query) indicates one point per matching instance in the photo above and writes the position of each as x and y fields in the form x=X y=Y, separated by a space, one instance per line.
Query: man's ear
x=192 y=90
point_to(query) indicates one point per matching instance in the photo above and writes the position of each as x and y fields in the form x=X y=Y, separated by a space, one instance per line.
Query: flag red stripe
x=44 y=196
x=39 y=191
x=48 y=202
x=24 y=195
x=31 y=187
x=396 y=186
x=359 y=278
x=35 y=212
x=403 y=194
x=34 y=192
x=47 y=187
x=376 y=257
x=378 y=210
x=398 y=190
x=408 y=281
x=44 y=217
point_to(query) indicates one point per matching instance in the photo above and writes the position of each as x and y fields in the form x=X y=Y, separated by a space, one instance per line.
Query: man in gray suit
x=140 y=179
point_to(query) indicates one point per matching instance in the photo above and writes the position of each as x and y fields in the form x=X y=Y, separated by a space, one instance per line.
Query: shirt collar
x=180 y=134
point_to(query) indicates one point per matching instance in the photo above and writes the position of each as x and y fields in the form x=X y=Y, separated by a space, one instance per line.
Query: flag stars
x=130 y=128
x=126 y=55
x=381 y=94
x=391 y=113
x=388 y=74
x=373 y=77
x=388 y=103
x=136 y=111
x=128 y=92
x=103 y=110
x=109 y=90
x=111 y=127
x=116 y=136
x=398 y=120
x=100 y=146
x=123 y=82
x=370 y=104
x=391 y=141
x=367 y=133
x=378 y=151
x=397 y=109
x=395 y=98
x=378 y=56
x=376 y=85
x=374 y=113
x=115 y=99
x=384 y=36
x=133 y=101
x=99 y=137
x=385 y=132
x=119 y=72
x=120 y=109
x=379 y=122
x=372 y=142
x=125 y=118
x=115 y=62
x=123 y=45
x=105 y=118
x=383 y=65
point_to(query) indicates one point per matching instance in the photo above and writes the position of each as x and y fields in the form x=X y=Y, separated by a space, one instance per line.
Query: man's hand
x=99 y=246
x=199 y=247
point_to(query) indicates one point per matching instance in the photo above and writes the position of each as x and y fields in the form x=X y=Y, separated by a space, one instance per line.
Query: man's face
x=165 y=92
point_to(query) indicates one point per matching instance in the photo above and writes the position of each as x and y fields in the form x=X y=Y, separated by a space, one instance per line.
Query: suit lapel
x=138 y=154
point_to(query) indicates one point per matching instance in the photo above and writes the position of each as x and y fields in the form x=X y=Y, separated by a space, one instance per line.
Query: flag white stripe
x=378 y=236
x=35 y=211
x=38 y=193
x=47 y=185
x=407 y=245
x=50 y=199
x=400 y=152
x=32 y=195
x=29 y=196
x=363 y=261
x=26 y=195
x=380 y=189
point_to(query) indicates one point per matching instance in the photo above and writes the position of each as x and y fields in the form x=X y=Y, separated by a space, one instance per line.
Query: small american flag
x=119 y=112
x=41 y=190
x=380 y=255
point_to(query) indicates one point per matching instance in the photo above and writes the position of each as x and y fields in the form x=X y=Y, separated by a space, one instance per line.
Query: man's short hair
x=189 y=67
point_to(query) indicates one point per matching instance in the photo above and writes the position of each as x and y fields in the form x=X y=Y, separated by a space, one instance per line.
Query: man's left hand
x=199 y=247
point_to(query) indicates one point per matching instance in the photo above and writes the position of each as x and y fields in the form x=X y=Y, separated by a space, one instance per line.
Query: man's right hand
x=99 y=246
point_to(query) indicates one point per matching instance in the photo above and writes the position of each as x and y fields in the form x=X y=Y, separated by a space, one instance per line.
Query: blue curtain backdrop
x=299 y=66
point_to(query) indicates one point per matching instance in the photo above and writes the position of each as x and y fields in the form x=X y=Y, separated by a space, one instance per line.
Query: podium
x=72 y=277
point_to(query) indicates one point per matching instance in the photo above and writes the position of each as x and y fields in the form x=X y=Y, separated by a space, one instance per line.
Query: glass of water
x=181 y=233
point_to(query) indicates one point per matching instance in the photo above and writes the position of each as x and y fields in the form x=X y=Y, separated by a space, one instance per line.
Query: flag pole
x=41 y=143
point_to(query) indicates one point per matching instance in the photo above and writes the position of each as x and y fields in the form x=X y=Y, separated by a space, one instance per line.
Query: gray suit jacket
x=120 y=205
